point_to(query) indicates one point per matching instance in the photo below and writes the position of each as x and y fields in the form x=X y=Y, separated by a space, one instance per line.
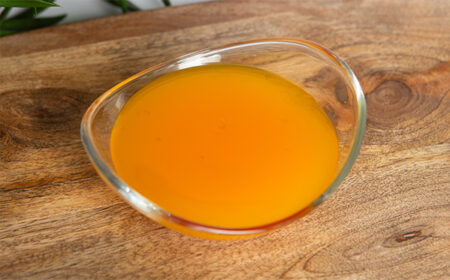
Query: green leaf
x=3 y=14
x=7 y=32
x=123 y=5
x=27 y=13
x=129 y=5
x=30 y=23
x=166 y=3
x=27 y=3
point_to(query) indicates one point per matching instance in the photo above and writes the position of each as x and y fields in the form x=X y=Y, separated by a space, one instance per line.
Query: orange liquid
x=225 y=145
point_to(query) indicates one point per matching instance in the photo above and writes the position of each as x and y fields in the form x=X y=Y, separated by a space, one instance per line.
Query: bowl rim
x=163 y=216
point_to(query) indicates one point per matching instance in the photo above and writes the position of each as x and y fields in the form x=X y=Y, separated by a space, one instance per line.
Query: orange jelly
x=225 y=145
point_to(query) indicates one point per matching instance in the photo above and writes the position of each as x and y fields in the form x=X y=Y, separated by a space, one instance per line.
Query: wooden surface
x=390 y=219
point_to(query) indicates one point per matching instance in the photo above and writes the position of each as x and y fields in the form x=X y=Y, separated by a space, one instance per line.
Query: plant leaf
x=27 y=13
x=166 y=3
x=30 y=23
x=27 y=3
x=6 y=32
x=123 y=5
x=130 y=6
x=3 y=14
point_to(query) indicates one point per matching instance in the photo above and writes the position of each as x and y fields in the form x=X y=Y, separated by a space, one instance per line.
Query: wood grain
x=390 y=219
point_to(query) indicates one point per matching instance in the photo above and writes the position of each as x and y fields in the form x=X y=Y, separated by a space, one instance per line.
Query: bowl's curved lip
x=147 y=207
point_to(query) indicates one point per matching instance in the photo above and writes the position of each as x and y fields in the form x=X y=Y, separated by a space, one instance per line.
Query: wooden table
x=390 y=219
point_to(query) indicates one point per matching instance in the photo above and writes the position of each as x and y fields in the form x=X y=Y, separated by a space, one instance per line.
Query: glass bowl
x=314 y=68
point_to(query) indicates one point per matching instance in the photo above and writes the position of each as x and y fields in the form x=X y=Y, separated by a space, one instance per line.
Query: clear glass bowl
x=316 y=69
